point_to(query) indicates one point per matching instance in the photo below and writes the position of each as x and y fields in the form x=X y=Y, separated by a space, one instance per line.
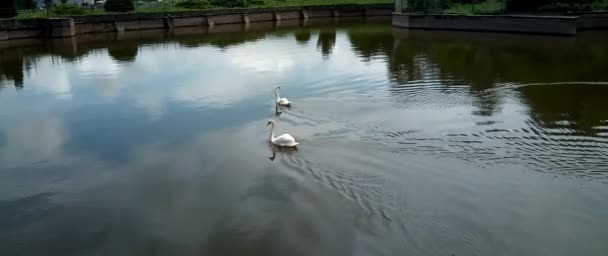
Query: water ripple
x=540 y=149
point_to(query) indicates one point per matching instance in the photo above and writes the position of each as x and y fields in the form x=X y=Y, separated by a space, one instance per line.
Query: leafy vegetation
x=206 y=4
x=193 y=4
x=500 y=6
x=454 y=6
x=550 y=5
x=68 y=9
x=228 y=3
x=119 y=5
x=25 y=4
x=470 y=7
x=182 y=5
x=274 y=3
x=422 y=6
x=57 y=11
x=600 y=5
x=7 y=9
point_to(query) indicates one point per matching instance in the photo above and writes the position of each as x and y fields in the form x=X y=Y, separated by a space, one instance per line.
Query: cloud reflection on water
x=154 y=149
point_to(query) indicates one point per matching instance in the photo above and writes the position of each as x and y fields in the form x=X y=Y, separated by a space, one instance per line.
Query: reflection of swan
x=281 y=101
x=284 y=140
x=282 y=150
x=276 y=110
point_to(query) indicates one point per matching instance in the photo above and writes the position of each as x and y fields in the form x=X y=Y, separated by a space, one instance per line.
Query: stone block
x=60 y=27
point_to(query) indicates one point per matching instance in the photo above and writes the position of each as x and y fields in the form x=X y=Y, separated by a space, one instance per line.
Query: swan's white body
x=284 y=140
x=281 y=101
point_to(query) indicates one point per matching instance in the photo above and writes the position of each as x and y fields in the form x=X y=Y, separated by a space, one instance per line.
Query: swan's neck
x=276 y=92
x=271 y=136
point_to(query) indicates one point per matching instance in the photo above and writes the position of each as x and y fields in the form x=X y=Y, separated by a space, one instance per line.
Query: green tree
x=7 y=9
x=29 y=4
x=124 y=53
x=25 y=4
x=426 y=6
x=547 y=5
x=119 y=5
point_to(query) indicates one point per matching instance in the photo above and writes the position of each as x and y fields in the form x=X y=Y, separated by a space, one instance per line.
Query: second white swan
x=281 y=101
x=284 y=140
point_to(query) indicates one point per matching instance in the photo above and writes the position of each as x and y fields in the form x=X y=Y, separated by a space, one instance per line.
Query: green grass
x=491 y=6
x=169 y=5
x=497 y=6
x=38 y=13
x=600 y=5
x=278 y=3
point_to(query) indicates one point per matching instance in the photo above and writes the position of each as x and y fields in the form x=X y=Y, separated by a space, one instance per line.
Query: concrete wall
x=291 y=15
x=556 y=25
x=593 y=22
x=27 y=28
x=76 y=25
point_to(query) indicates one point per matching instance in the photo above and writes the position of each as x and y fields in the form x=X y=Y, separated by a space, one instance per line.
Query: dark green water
x=413 y=143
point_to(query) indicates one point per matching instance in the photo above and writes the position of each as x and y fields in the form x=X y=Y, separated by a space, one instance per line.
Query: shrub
x=124 y=53
x=467 y=1
x=426 y=6
x=119 y=5
x=193 y=4
x=7 y=9
x=227 y=3
x=235 y=3
x=547 y=5
x=68 y=9
x=25 y=4
x=255 y=2
x=565 y=7
x=600 y=5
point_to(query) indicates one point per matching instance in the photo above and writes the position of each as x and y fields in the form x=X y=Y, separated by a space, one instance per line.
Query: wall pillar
x=118 y=27
x=67 y=45
x=277 y=16
x=335 y=13
x=60 y=27
x=169 y=24
x=304 y=14
x=400 y=5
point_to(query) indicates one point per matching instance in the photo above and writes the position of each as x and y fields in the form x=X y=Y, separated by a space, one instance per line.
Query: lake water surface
x=413 y=143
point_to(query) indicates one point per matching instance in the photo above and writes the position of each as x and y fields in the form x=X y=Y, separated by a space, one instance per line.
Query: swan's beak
x=268 y=123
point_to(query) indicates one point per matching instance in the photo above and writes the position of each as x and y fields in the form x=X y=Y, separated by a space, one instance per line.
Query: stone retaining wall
x=531 y=24
x=556 y=25
x=593 y=21
x=76 y=25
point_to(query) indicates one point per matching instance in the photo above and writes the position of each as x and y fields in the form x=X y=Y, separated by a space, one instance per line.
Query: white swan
x=281 y=101
x=284 y=140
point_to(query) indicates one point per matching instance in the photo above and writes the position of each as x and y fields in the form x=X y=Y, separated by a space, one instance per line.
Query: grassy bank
x=174 y=5
x=500 y=6
x=278 y=3
x=490 y=6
